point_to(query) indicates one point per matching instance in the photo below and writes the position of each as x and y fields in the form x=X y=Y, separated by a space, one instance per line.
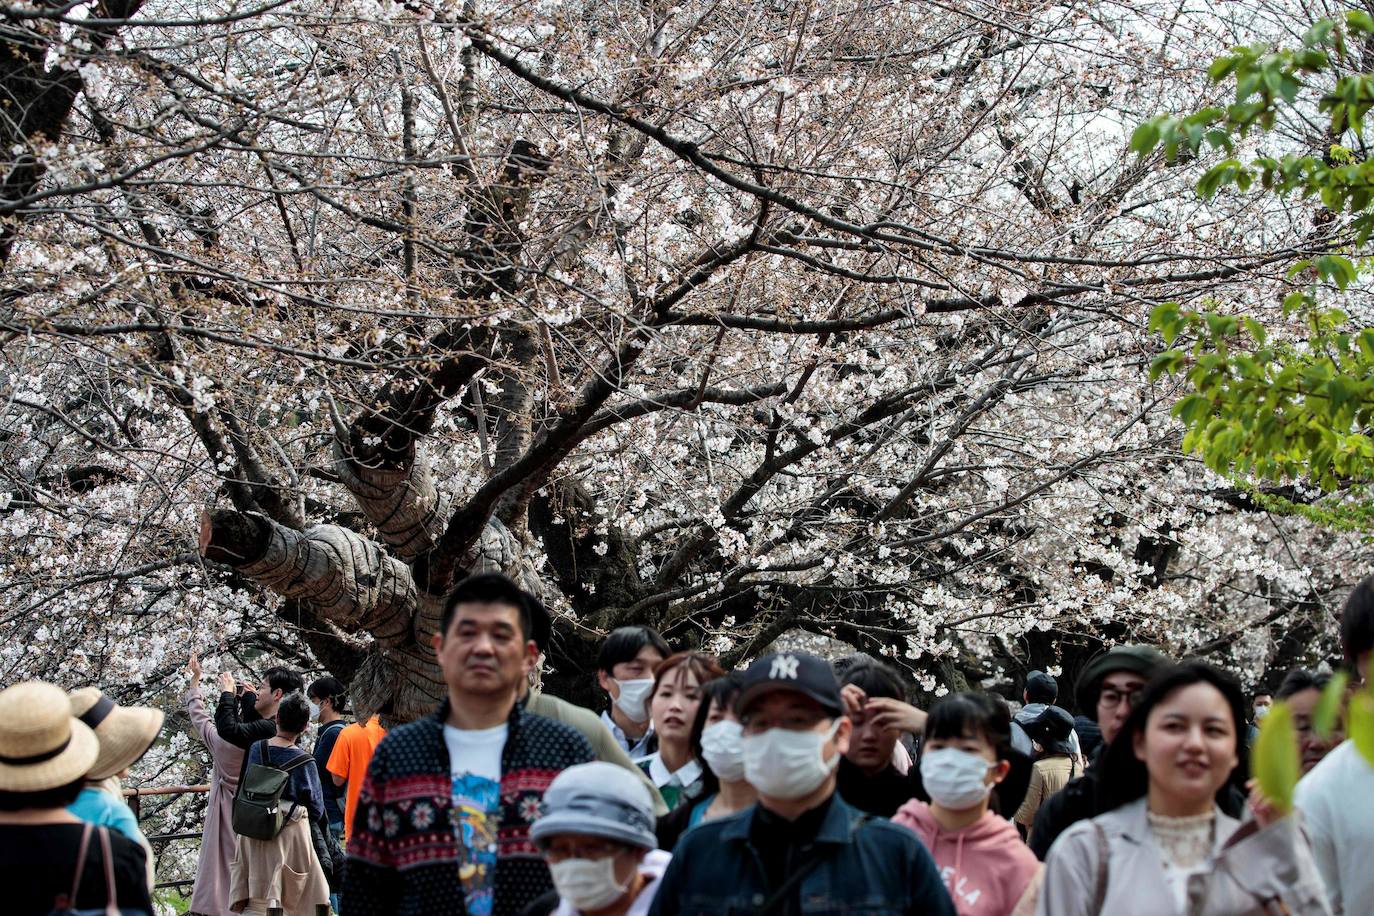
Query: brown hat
x=125 y=732
x=41 y=745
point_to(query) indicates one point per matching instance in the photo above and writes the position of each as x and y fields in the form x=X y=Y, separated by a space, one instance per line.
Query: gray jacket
x=1250 y=871
x=602 y=741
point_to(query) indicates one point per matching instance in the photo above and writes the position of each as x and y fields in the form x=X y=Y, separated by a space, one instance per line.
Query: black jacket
x=237 y=728
x=879 y=795
x=230 y=724
x=851 y=863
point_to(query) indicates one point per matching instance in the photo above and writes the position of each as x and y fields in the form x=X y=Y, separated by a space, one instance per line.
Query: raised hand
x=193 y=668
x=888 y=713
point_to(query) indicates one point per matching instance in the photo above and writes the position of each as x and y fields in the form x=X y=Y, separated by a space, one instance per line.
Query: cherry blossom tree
x=734 y=318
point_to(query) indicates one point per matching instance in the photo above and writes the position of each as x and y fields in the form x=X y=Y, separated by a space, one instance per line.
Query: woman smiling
x=1164 y=847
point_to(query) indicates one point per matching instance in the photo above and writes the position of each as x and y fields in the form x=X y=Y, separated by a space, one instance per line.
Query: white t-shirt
x=474 y=760
x=476 y=751
x=1337 y=804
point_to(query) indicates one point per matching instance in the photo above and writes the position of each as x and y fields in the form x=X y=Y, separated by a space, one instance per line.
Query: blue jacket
x=867 y=866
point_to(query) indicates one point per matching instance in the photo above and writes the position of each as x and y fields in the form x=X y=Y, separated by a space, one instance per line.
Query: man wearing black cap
x=801 y=841
x=1108 y=686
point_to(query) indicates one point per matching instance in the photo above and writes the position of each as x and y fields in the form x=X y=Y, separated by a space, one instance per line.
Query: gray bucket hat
x=598 y=799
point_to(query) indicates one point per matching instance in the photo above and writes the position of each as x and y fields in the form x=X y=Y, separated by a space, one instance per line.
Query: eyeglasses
x=1112 y=698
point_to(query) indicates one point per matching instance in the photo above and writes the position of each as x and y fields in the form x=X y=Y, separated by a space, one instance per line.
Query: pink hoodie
x=986 y=866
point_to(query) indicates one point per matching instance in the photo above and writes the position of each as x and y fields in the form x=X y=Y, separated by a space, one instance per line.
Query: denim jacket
x=867 y=867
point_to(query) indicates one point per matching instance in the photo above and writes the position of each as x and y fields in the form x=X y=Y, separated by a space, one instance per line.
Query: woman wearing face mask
x=965 y=753
x=716 y=743
x=597 y=836
x=673 y=706
x=1165 y=847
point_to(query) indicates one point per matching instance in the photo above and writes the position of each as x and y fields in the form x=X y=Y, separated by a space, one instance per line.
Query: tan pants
x=281 y=872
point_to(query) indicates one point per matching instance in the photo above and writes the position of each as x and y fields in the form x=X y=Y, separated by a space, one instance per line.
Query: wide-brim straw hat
x=125 y=732
x=42 y=746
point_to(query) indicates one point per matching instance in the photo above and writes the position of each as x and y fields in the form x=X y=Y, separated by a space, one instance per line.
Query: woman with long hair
x=1164 y=847
x=965 y=753
x=673 y=705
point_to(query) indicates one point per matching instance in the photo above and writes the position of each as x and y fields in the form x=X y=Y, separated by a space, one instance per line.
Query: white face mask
x=314 y=711
x=587 y=884
x=1261 y=712
x=633 y=695
x=954 y=778
x=723 y=750
x=787 y=764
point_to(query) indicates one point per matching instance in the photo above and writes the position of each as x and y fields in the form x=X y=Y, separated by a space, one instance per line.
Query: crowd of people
x=794 y=785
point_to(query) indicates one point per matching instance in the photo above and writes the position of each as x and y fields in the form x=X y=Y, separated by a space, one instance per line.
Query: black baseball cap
x=1039 y=684
x=799 y=671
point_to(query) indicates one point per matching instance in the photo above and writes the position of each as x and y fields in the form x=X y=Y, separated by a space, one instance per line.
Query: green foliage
x=169 y=900
x=1255 y=407
x=1360 y=723
x=1271 y=410
x=1277 y=765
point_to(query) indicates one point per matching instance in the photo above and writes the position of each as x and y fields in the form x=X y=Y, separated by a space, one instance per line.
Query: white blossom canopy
x=729 y=316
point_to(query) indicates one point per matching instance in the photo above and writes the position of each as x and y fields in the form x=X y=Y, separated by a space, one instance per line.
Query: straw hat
x=41 y=745
x=125 y=732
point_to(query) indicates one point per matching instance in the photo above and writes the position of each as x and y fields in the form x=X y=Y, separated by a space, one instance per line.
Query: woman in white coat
x=1164 y=848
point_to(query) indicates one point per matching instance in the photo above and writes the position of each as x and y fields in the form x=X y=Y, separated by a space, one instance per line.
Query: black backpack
x=257 y=809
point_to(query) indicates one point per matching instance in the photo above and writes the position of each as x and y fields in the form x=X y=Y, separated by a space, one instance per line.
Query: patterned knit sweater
x=403 y=853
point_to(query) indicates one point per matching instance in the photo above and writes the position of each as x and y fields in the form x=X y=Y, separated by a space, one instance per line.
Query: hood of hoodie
x=987 y=854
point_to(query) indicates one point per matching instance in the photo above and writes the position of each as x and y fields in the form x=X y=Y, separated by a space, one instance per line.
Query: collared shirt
x=638 y=750
x=683 y=785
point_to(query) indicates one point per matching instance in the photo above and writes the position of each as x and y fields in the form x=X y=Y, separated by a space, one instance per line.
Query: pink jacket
x=987 y=868
x=217 y=847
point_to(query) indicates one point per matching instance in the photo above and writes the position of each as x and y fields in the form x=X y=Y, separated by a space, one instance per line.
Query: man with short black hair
x=603 y=742
x=625 y=671
x=247 y=719
x=1039 y=694
x=1337 y=797
x=326 y=696
x=1109 y=685
x=801 y=848
x=445 y=810
x=878 y=714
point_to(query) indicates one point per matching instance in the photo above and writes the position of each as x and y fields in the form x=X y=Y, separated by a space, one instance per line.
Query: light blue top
x=98 y=807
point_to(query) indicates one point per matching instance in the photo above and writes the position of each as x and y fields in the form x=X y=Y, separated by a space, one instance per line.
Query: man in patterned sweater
x=444 y=815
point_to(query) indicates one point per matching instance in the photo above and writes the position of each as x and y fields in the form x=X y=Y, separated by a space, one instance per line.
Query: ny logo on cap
x=784 y=666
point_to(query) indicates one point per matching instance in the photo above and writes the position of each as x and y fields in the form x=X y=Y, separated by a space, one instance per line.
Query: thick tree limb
x=348 y=579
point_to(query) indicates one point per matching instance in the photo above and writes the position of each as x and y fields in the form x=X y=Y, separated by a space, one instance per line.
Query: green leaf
x=1337 y=269
x=1360 y=21
x=1224 y=66
x=1276 y=760
x=1317 y=34
x=1145 y=138
x=1166 y=363
x=1360 y=725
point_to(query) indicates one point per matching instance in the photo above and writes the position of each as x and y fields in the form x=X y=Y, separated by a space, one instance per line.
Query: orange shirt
x=349 y=759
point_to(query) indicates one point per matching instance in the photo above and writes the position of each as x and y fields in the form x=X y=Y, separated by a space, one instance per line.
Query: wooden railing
x=134 y=796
